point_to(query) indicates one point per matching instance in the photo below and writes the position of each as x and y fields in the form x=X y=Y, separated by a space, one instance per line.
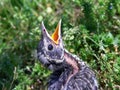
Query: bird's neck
x=69 y=69
x=72 y=62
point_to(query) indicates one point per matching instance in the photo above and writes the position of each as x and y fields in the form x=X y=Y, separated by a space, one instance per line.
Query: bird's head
x=50 y=49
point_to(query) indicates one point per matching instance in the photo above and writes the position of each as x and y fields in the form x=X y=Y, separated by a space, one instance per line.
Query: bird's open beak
x=57 y=33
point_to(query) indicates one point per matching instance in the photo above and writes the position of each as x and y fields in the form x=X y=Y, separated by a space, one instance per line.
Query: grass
x=90 y=29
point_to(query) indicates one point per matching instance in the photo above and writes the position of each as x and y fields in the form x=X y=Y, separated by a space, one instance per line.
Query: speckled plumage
x=69 y=72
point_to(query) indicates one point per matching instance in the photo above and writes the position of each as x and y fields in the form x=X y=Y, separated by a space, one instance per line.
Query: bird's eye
x=50 y=47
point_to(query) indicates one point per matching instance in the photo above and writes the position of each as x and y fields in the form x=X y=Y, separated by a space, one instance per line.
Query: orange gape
x=55 y=35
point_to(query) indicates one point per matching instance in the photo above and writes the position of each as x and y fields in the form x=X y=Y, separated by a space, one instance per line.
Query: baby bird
x=69 y=72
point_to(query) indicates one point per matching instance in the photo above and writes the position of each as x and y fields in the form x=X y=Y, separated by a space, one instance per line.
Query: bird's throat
x=70 y=60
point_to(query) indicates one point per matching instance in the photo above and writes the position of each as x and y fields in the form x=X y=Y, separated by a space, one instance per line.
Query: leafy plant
x=90 y=28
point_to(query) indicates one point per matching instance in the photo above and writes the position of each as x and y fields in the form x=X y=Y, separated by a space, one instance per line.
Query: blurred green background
x=90 y=29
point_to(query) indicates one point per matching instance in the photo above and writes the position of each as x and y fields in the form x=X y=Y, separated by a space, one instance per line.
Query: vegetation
x=90 y=28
